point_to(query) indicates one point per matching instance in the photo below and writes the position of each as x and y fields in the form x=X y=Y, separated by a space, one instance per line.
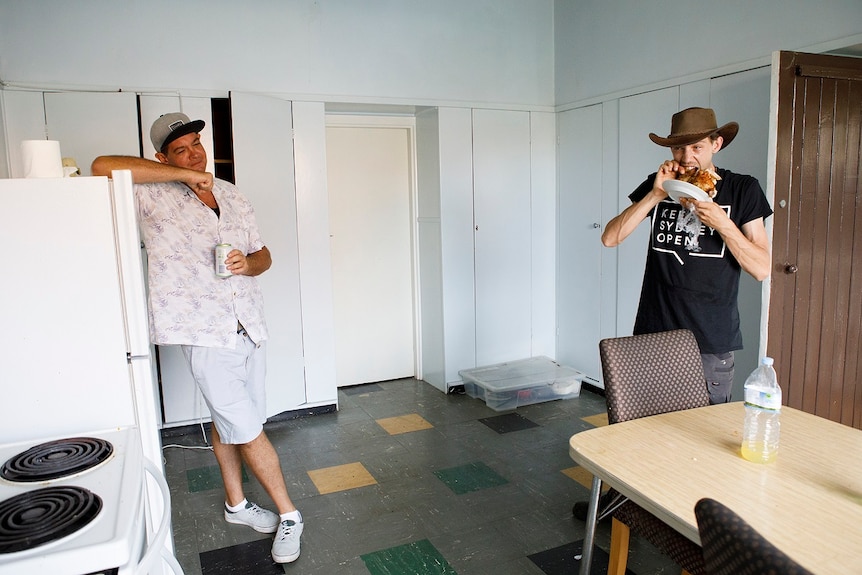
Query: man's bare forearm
x=149 y=171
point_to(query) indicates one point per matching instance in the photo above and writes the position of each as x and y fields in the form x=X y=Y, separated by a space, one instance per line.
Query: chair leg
x=619 y=555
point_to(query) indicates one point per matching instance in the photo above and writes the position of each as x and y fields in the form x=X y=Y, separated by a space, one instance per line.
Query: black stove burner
x=56 y=459
x=44 y=515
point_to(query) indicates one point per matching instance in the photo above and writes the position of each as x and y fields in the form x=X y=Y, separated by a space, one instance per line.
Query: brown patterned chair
x=732 y=547
x=646 y=375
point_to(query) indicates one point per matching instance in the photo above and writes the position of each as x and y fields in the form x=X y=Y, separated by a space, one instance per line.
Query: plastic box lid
x=514 y=375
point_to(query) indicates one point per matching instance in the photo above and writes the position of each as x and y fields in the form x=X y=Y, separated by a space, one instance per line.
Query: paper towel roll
x=41 y=159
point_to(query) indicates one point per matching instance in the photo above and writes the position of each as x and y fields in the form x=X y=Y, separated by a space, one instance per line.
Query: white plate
x=677 y=189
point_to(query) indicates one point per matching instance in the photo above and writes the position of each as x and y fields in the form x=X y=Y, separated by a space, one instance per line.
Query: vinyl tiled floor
x=406 y=480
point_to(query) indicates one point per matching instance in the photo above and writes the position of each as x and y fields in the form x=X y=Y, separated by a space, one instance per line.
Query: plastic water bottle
x=762 y=411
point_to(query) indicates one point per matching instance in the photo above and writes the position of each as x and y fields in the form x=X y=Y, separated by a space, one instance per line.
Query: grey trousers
x=718 y=370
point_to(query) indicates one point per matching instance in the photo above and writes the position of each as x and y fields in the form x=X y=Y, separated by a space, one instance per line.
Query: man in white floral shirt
x=183 y=214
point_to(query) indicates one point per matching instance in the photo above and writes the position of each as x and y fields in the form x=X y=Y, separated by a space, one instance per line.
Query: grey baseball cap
x=171 y=126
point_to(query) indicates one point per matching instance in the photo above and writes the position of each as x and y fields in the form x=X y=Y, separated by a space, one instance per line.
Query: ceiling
x=854 y=50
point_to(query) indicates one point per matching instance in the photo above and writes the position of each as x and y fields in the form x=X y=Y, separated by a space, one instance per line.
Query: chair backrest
x=732 y=547
x=652 y=373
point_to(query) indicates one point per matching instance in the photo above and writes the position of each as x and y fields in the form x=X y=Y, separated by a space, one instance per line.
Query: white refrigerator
x=76 y=356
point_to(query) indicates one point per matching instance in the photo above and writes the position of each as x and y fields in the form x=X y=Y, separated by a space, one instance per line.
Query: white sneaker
x=253 y=516
x=285 y=547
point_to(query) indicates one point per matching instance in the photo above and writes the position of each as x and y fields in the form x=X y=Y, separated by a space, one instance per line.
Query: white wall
x=491 y=51
x=608 y=47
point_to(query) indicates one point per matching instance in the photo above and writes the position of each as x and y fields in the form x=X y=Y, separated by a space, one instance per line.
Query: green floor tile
x=417 y=558
x=206 y=478
x=470 y=477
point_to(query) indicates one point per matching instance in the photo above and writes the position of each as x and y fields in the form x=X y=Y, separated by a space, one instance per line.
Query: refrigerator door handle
x=131 y=263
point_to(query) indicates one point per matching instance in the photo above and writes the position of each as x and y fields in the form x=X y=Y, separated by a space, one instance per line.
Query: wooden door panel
x=815 y=311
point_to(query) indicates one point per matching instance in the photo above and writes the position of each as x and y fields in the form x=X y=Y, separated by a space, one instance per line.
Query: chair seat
x=685 y=553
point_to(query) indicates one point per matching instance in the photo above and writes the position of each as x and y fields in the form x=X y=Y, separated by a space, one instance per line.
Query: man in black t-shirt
x=698 y=249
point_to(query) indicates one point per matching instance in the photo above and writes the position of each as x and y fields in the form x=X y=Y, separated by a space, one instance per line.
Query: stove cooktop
x=79 y=500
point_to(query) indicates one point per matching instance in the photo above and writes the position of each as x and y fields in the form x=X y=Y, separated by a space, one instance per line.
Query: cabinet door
x=24 y=117
x=182 y=403
x=744 y=98
x=265 y=173
x=501 y=188
x=639 y=157
x=579 y=255
x=90 y=124
x=195 y=108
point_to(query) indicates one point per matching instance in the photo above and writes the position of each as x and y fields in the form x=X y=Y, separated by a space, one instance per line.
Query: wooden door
x=815 y=311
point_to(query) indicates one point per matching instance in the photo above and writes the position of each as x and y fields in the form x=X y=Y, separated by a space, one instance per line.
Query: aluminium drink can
x=221 y=252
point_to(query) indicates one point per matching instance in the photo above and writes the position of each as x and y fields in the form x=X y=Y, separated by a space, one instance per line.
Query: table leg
x=590 y=527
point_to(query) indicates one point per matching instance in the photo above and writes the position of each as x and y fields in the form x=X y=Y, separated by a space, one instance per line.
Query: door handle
x=791 y=268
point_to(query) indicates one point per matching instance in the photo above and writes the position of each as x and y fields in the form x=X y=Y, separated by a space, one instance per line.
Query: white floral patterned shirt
x=188 y=303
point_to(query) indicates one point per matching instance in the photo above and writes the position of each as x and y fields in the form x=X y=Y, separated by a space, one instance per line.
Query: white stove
x=106 y=490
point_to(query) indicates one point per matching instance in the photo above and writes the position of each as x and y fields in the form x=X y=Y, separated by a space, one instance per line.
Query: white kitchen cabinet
x=486 y=232
x=501 y=199
x=87 y=124
x=744 y=98
x=181 y=401
x=290 y=202
x=280 y=158
x=638 y=157
x=196 y=108
x=4 y=155
x=445 y=224
x=604 y=154
x=263 y=156
x=543 y=233
x=24 y=119
x=580 y=272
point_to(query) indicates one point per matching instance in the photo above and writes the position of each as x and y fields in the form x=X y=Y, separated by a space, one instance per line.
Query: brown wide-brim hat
x=694 y=124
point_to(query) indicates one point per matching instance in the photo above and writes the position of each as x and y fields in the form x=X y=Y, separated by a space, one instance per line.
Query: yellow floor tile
x=404 y=424
x=582 y=476
x=597 y=420
x=341 y=478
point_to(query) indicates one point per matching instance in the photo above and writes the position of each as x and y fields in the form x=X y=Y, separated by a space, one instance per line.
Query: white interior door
x=370 y=189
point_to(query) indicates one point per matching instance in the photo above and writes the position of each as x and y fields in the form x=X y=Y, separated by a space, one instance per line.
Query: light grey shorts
x=232 y=382
x=718 y=369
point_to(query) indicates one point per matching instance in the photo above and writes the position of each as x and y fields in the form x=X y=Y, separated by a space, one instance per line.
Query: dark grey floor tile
x=253 y=557
x=497 y=530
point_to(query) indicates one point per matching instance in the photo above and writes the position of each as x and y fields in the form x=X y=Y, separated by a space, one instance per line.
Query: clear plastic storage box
x=516 y=383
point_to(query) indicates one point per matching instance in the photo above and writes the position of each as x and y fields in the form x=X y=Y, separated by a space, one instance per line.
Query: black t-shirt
x=691 y=279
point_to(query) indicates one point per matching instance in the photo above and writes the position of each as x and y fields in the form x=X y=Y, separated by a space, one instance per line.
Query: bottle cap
x=766 y=361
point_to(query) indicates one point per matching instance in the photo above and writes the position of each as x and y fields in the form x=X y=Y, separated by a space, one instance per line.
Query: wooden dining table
x=808 y=502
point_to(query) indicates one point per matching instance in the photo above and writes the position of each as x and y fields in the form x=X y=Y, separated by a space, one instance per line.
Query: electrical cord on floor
x=207 y=445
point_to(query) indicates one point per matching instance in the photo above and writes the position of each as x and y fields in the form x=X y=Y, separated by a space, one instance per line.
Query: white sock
x=234 y=508
x=294 y=516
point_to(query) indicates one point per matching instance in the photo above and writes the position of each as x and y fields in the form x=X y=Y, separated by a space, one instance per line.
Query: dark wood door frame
x=815 y=310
